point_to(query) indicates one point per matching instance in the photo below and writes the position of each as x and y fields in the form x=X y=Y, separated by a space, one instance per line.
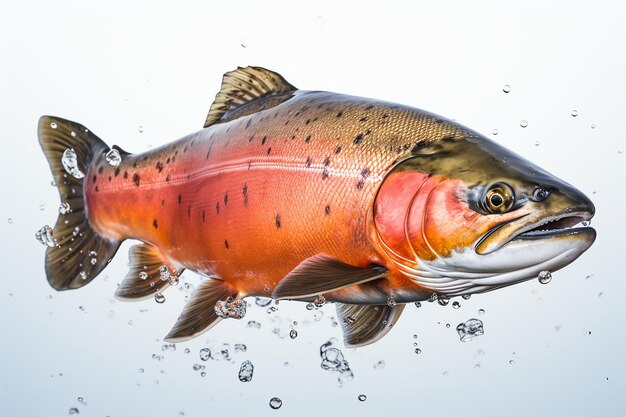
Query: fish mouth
x=565 y=224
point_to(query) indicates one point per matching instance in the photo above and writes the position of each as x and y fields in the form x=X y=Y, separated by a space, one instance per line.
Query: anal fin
x=321 y=274
x=145 y=277
x=199 y=315
x=365 y=324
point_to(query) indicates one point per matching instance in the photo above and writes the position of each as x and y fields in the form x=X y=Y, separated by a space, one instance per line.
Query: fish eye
x=499 y=198
x=540 y=194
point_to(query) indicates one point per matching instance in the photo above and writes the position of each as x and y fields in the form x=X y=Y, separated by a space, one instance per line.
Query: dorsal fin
x=243 y=86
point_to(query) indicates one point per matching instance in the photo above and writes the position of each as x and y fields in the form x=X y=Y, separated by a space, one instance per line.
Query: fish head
x=463 y=216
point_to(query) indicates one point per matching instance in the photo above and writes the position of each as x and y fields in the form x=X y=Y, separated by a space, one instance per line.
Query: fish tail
x=76 y=254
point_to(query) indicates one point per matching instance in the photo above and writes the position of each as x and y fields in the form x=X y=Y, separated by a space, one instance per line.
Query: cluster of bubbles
x=231 y=308
x=113 y=157
x=45 y=237
x=333 y=360
x=470 y=329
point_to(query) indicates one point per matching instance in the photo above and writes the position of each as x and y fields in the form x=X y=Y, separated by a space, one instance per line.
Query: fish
x=308 y=196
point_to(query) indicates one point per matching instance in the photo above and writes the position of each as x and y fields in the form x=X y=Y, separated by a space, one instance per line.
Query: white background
x=118 y=65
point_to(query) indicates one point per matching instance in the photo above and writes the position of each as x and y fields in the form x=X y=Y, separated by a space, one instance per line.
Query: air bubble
x=319 y=301
x=143 y=275
x=456 y=305
x=64 y=208
x=544 y=277
x=494 y=132
x=523 y=123
x=362 y=397
x=574 y=113
x=246 y=371
x=443 y=300
x=254 y=324
x=73 y=410
x=418 y=304
x=54 y=126
x=113 y=157
x=165 y=273
x=262 y=301
x=140 y=129
x=418 y=350
x=333 y=360
x=506 y=88
x=45 y=237
x=159 y=298
x=205 y=354
x=276 y=403
x=293 y=333
x=70 y=163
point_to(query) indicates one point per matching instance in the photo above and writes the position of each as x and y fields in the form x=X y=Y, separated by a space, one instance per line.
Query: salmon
x=305 y=195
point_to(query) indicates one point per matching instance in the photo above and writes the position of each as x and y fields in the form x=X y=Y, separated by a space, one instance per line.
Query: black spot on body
x=226 y=244
x=180 y=198
x=159 y=166
x=449 y=138
x=269 y=150
x=340 y=114
x=125 y=174
x=248 y=123
x=136 y=179
x=162 y=203
x=325 y=173
x=188 y=212
x=97 y=189
x=168 y=160
x=225 y=199
x=385 y=116
x=363 y=119
x=326 y=161
x=419 y=145
x=307 y=121
x=155 y=224
x=358 y=139
x=94 y=179
x=167 y=178
x=110 y=178
x=337 y=150
x=327 y=210
x=134 y=164
x=278 y=221
x=245 y=195
x=117 y=171
x=263 y=140
x=217 y=207
x=203 y=216
x=308 y=162
x=307 y=139
x=100 y=169
x=370 y=107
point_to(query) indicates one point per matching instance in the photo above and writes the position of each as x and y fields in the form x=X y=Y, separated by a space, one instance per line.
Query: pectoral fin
x=198 y=316
x=144 y=277
x=321 y=274
x=365 y=324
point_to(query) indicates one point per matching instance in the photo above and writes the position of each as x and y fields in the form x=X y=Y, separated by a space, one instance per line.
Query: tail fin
x=81 y=254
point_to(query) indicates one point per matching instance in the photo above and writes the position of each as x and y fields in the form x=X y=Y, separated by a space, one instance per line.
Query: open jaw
x=520 y=254
x=563 y=224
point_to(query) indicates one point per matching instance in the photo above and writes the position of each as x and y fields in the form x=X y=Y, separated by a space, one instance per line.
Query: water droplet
x=271 y=310
x=466 y=296
x=523 y=123
x=310 y=306
x=481 y=311
x=45 y=237
x=506 y=88
x=574 y=113
x=418 y=304
x=470 y=329
x=418 y=350
x=319 y=301
x=165 y=273
x=391 y=302
x=205 y=354
x=80 y=399
x=293 y=333
x=10 y=220
x=54 y=126
x=433 y=297
x=70 y=163
x=73 y=134
x=494 y=132
x=544 y=277
x=362 y=397
x=174 y=280
x=143 y=275
x=198 y=367
x=254 y=324
x=593 y=126
x=511 y=362
x=64 y=208
x=73 y=410
x=240 y=347
x=140 y=129
x=141 y=370
x=113 y=157
x=456 y=305
x=82 y=274
x=159 y=298
x=42 y=207
x=235 y=309
x=266 y=288
x=246 y=371
x=262 y=301
x=276 y=403
x=443 y=300
x=379 y=365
